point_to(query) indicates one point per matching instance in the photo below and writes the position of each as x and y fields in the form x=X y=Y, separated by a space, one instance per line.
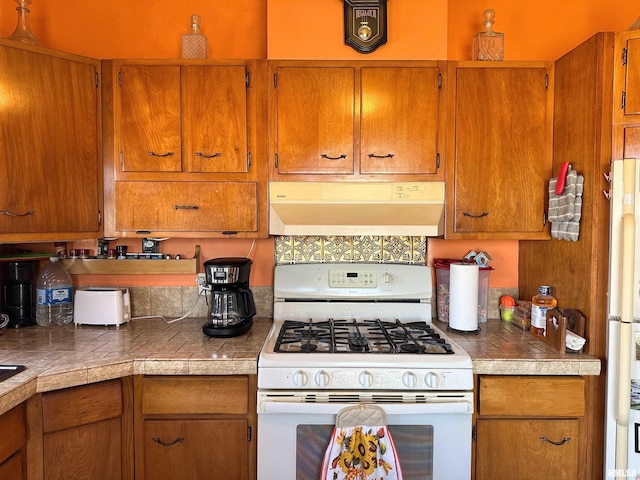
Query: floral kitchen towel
x=361 y=453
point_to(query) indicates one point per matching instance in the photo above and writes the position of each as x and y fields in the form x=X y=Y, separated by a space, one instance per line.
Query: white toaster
x=101 y=306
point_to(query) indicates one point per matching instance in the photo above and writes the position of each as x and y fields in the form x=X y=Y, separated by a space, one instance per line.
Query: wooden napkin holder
x=558 y=322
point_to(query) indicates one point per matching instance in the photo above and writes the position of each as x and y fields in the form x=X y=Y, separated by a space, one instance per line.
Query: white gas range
x=345 y=334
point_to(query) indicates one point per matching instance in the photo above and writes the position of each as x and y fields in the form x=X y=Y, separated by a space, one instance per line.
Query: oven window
x=414 y=444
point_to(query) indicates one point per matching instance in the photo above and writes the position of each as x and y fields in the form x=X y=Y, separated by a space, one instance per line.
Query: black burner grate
x=360 y=336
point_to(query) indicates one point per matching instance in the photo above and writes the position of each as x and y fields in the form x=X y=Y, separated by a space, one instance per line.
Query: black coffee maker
x=18 y=292
x=231 y=303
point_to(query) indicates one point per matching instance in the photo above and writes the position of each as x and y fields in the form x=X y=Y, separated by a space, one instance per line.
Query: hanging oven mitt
x=361 y=447
x=565 y=209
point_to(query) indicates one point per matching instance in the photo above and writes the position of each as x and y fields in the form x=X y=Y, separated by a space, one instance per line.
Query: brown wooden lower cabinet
x=82 y=432
x=530 y=427
x=194 y=449
x=195 y=427
x=13 y=439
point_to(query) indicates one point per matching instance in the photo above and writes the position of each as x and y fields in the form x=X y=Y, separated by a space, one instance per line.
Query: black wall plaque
x=365 y=24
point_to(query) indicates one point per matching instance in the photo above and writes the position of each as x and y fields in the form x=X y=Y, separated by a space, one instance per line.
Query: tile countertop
x=61 y=357
x=501 y=348
x=68 y=356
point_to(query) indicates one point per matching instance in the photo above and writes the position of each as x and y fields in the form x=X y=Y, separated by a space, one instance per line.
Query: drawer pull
x=11 y=214
x=168 y=444
x=467 y=214
x=186 y=207
x=154 y=154
x=324 y=155
x=561 y=442
x=388 y=155
x=207 y=155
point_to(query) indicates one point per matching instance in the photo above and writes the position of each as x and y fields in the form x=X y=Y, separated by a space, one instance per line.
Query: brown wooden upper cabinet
x=50 y=180
x=346 y=120
x=499 y=149
x=185 y=148
x=190 y=118
x=626 y=67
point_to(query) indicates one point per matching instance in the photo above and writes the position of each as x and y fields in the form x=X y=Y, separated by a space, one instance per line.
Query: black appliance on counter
x=231 y=303
x=18 y=292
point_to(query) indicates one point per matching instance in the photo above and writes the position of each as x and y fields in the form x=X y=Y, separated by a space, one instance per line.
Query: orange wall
x=540 y=30
x=418 y=29
x=144 y=28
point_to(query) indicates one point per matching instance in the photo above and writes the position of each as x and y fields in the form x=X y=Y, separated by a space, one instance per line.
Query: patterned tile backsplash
x=352 y=249
x=173 y=302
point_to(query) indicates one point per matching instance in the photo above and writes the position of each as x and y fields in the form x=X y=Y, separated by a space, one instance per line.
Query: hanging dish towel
x=361 y=447
x=565 y=210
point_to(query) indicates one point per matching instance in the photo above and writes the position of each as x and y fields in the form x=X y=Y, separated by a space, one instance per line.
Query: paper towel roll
x=463 y=296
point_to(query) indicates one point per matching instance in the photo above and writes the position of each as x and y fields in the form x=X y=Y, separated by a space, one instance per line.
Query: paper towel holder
x=558 y=322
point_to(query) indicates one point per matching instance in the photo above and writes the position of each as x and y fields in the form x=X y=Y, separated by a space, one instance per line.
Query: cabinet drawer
x=531 y=396
x=77 y=406
x=194 y=395
x=14 y=435
x=187 y=206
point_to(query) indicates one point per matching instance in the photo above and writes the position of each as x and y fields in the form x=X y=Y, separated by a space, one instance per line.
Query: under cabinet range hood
x=356 y=208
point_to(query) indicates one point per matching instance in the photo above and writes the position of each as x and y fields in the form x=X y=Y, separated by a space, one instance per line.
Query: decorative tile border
x=350 y=249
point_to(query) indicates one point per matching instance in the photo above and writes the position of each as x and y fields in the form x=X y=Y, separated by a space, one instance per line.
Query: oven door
x=431 y=432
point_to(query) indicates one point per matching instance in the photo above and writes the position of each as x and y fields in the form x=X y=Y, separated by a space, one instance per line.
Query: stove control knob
x=299 y=378
x=386 y=278
x=322 y=378
x=432 y=380
x=409 y=380
x=365 y=378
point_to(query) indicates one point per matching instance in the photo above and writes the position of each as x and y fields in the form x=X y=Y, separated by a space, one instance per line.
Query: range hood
x=356 y=208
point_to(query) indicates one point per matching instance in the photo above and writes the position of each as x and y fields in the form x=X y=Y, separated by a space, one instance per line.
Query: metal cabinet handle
x=557 y=444
x=467 y=214
x=207 y=155
x=11 y=214
x=167 y=444
x=154 y=154
x=388 y=155
x=324 y=155
x=186 y=207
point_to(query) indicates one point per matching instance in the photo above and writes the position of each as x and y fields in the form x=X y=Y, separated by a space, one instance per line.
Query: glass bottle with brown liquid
x=539 y=306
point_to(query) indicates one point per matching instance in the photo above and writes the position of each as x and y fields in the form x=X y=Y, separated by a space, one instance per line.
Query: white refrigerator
x=622 y=426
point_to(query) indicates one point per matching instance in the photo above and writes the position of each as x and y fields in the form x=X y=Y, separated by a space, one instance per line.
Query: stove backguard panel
x=353 y=249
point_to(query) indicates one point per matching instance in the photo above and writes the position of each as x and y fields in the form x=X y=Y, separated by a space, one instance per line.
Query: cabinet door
x=627 y=77
x=499 y=162
x=315 y=114
x=83 y=435
x=527 y=449
x=15 y=468
x=88 y=451
x=12 y=444
x=196 y=449
x=215 y=118
x=186 y=207
x=150 y=118
x=49 y=181
x=399 y=120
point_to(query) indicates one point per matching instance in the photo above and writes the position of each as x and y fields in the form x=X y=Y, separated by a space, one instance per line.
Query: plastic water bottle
x=54 y=295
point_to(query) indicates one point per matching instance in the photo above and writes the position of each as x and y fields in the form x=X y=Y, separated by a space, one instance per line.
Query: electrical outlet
x=201 y=281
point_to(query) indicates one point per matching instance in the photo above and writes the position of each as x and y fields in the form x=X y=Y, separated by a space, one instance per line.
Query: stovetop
x=368 y=326
x=360 y=336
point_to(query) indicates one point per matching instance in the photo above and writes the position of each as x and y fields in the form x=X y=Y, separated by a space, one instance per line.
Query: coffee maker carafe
x=231 y=304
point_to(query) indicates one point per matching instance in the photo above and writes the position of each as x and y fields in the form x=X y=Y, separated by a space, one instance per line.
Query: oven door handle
x=390 y=409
